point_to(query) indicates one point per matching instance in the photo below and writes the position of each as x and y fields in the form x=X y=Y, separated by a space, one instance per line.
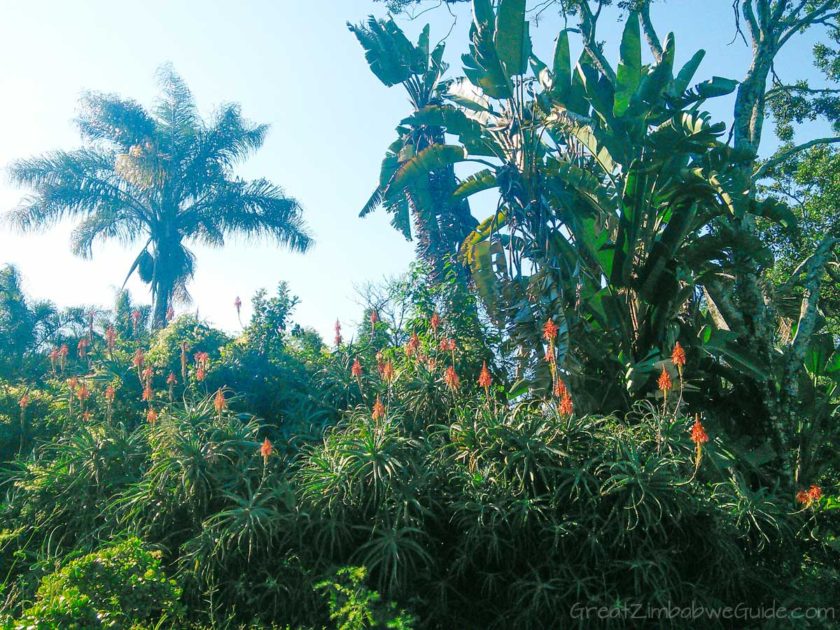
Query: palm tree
x=162 y=177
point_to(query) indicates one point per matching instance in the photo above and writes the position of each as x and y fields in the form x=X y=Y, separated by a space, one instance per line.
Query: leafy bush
x=119 y=586
x=355 y=607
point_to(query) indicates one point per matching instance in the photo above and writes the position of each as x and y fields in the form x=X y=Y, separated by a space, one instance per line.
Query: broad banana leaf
x=629 y=73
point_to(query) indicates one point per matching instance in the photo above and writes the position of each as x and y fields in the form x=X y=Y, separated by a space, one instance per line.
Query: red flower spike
x=412 y=346
x=560 y=390
x=698 y=433
x=83 y=393
x=566 y=406
x=550 y=331
x=202 y=359
x=388 y=372
x=664 y=382
x=356 y=369
x=219 y=402
x=678 y=355
x=435 y=321
x=450 y=377
x=448 y=345
x=151 y=416
x=266 y=450
x=484 y=378
x=378 y=409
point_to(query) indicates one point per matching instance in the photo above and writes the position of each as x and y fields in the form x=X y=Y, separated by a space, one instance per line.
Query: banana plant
x=614 y=201
x=415 y=184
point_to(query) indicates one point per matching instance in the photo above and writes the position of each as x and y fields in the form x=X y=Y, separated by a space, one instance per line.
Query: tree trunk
x=163 y=285
x=163 y=298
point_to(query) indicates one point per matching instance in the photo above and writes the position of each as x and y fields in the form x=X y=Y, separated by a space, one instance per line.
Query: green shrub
x=119 y=586
x=353 y=606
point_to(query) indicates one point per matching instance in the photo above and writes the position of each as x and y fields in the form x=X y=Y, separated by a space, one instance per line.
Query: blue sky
x=289 y=63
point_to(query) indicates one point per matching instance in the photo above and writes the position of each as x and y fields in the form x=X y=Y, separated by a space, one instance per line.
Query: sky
x=289 y=63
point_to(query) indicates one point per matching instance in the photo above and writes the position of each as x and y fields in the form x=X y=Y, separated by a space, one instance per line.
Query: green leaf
x=389 y=53
x=599 y=91
x=467 y=95
x=454 y=122
x=373 y=202
x=716 y=86
x=481 y=233
x=401 y=217
x=653 y=84
x=630 y=220
x=586 y=136
x=686 y=73
x=723 y=344
x=483 y=180
x=511 y=37
x=487 y=264
x=428 y=160
x=562 y=67
x=661 y=258
x=629 y=73
x=482 y=66
x=777 y=211
x=820 y=351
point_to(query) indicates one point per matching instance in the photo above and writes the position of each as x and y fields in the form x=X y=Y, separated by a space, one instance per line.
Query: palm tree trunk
x=163 y=298
x=163 y=287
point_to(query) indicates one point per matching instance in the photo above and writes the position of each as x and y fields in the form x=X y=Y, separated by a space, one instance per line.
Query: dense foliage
x=618 y=393
x=456 y=504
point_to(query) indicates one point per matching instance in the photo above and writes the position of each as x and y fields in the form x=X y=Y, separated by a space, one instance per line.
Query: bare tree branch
x=588 y=22
x=784 y=155
x=819 y=14
x=752 y=23
x=801 y=89
x=810 y=299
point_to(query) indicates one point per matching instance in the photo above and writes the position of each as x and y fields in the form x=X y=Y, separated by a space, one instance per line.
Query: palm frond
x=103 y=224
x=218 y=147
x=176 y=114
x=253 y=209
x=71 y=183
x=108 y=117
